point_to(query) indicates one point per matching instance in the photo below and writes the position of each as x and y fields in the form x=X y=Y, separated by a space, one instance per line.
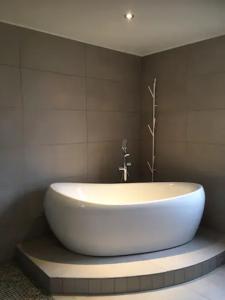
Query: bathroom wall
x=190 y=139
x=64 y=108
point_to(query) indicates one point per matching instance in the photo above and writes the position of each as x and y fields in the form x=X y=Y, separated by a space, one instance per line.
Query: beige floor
x=209 y=287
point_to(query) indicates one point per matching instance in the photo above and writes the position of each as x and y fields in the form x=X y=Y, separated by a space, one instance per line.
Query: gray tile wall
x=64 y=108
x=190 y=139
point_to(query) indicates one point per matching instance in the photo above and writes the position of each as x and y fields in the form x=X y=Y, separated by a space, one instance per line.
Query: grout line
x=23 y=121
x=52 y=72
x=206 y=143
x=76 y=109
x=187 y=66
x=114 y=111
x=53 y=145
x=114 y=80
x=188 y=142
x=12 y=108
x=69 y=144
x=47 y=109
x=130 y=80
x=86 y=111
x=12 y=66
x=188 y=110
x=197 y=75
x=205 y=109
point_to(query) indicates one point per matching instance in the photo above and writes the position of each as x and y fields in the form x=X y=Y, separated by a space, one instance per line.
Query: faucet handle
x=129 y=164
x=126 y=155
x=121 y=169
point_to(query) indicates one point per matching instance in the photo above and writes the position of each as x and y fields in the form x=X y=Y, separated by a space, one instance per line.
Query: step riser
x=109 y=286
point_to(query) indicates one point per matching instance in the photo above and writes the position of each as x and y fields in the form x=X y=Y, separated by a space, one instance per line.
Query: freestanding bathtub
x=122 y=219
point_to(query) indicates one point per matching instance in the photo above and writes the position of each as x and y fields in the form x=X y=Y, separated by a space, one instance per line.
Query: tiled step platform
x=60 y=271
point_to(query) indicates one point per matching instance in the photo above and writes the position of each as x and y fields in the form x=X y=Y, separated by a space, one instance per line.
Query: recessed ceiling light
x=129 y=16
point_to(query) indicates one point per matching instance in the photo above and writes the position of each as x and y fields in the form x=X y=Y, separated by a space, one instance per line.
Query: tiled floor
x=15 y=286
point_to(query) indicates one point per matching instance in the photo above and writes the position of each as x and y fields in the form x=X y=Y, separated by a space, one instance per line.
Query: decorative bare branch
x=152 y=128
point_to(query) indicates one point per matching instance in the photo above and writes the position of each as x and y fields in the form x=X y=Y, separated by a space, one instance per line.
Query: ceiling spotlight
x=129 y=16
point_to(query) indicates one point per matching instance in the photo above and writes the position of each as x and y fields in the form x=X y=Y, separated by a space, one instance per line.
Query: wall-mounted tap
x=126 y=164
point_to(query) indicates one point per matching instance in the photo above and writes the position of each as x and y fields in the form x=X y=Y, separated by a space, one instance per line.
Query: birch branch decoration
x=151 y=128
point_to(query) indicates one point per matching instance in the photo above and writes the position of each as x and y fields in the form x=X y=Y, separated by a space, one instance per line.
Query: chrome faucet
x=126 y=164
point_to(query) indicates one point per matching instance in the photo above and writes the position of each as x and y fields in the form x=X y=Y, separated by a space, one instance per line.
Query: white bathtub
x=121 y=219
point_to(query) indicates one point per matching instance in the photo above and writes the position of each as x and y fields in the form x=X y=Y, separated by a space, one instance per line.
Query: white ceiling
x=158 y=24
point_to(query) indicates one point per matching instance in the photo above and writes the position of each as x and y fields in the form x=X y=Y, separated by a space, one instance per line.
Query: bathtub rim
x=74 y=200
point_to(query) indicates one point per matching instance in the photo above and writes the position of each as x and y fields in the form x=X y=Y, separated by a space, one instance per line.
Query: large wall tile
x=148 y=67
x=11 y=185
x=206 y=126
x=171 y=64
x=103 y=161
x=172 y=156
x=33 y=198
x=11 y=127
x=172 y=126
x=112 y=95
x=11 y=166
x=206 y=91
x=49 y=163
x=104 y=95
x=8 y=239
x=112 y=126
x=206 y=159
x=10 y=95
x=207 y=57
x=108 y=64
x=215 y=205
x=54 y=127
x=131 y=93
x=171 y=95
x=51 y=53
x=11 y=235
x=52 y=91
x=131 y=67
x=9 y=41
x=13 y=209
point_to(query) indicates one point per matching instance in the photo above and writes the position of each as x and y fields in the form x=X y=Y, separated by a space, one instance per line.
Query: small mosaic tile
x=14 y=285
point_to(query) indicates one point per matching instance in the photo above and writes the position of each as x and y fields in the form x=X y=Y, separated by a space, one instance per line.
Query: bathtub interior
x=120 y=194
